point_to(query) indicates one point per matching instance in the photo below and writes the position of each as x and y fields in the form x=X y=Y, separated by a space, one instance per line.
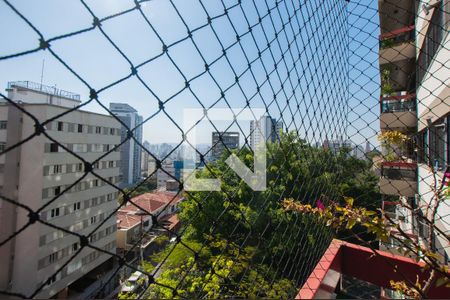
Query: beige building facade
x=44 y=177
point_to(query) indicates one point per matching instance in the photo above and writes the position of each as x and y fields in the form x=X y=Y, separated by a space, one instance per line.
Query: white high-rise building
x=433 y=117
x=39 y=174
x=266 y=129
x=415 y=100
x=130 y=151
x=336 y=145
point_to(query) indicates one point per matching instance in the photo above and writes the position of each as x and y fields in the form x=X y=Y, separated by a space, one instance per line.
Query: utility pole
x=42 y=72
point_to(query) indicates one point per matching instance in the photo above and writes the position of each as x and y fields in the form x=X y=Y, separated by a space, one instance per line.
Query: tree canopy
x=238 y=242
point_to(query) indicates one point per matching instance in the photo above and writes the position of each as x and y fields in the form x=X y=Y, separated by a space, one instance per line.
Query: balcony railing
x=358 y=262
x=44 y=88
x=399 y=170
x=389 y=208
x=398 y=36
x=398 y=103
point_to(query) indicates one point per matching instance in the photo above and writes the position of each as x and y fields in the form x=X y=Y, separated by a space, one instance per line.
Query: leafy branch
x=383 y=227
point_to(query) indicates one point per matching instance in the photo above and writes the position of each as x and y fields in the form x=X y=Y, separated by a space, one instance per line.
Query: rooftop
x=38 y=87
x=150 y=202
x=373 y=268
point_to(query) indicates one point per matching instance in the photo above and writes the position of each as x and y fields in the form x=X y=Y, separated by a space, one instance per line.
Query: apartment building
x=132 y=223
x=221 y=141
x=337 y=145
x=145 y=160
x=398 y=180
x=130 y=151
x=415 y=100
x=266 y=129
x=42 y=175
x=433 y=114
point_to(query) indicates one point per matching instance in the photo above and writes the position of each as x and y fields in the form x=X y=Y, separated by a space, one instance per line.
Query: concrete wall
x=433 y=94
x=28 y=188
x=31 y=96
x=426 y=182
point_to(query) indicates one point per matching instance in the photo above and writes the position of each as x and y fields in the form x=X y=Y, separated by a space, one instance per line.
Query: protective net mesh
x=355 y=96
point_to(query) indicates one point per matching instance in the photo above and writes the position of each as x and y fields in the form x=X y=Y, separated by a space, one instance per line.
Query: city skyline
x=98 y=71
x=155 y=149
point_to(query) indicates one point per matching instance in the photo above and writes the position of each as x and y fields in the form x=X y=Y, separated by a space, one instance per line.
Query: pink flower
x=320 y=205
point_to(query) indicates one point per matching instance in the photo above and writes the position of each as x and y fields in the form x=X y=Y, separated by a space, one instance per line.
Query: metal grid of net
x=327 y=71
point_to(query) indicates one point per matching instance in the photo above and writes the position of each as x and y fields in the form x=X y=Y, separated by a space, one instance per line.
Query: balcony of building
x=136 y=241
x=350 y=271
x=398 y=111
x=398 y=178
x=395 y=14
x=397 y=45
x=96 y=284
x=396 y=212
x=398 y=77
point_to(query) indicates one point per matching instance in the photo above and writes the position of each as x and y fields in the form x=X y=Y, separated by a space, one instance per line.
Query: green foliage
x=271 y=236
x=179 y=253
x=386 y=85
x=128 y=295
x=387 y=43
x=147 y=267
x=161 y=240
x=221 y=275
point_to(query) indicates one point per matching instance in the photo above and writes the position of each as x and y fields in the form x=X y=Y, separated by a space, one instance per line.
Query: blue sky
x=318 y=79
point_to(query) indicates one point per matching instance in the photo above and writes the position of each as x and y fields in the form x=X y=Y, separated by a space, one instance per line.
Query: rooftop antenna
x=42 y=72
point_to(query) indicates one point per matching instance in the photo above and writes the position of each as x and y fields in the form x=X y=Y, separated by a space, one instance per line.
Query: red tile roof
x=151 y=202
x=172 y=221
x=127 y=220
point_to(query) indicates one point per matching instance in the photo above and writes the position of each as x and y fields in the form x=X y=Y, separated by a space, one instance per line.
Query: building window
x=111 y=131
x=432 y=40
x=97 y=147
x=57 y=169
x=95 y=182
x=93 y=237
x=54 y=212
x=54 y=147
x=94 y=202
x=2 y=146
x=437 y=144
x=448 y=138
x=76 y=206
x=75 y=247
x=93 y=219
x=111 y=164
x=98 y=130
x=422 y=138
x=56 y=190
x=51 y=280
x=79 y=167
x=79 y=147
x=3 y=124
x=109 y=197
x=60 y=126
x=80 y=128
x=146 y=223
